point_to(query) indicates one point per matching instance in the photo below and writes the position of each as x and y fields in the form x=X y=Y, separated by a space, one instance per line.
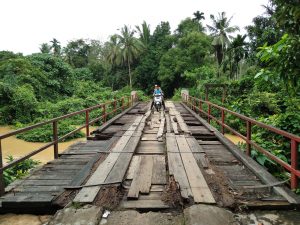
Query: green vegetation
x=262 y=74
x=18 y=171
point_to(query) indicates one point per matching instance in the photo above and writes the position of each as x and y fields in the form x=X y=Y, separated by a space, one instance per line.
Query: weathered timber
x=88 y=194
x=199 y=187
x=176 y=167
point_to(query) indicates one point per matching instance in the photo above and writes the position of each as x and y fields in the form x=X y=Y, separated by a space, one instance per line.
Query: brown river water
x=17 y=148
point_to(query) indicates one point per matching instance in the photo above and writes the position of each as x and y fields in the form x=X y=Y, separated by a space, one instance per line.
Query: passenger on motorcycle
x=157 y=91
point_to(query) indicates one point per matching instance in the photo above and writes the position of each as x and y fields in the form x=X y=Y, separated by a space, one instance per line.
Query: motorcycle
x=158 y=102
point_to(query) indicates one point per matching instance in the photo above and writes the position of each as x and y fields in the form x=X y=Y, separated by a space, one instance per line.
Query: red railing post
x=294 y=163
x=2 y=188
x=115 y=104
x=208 y=112
x=87 y=120
x=200 y=105
x=104 y=113
x=223 y=119
x=248 y=149
x=122 y=102
x=55 y=138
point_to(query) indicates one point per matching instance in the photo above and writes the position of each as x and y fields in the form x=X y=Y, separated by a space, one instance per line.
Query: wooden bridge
x=150 y=161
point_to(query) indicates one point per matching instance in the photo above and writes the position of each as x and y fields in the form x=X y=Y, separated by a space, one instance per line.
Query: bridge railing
x=107 y=108
x=197 y=104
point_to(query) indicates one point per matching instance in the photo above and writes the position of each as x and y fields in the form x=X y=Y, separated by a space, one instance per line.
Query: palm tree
x=113 y=51
x=56 y=47
x=130 y=48
x=198 y=16
x=221 y=31
x=144 y=32
x=236 y=52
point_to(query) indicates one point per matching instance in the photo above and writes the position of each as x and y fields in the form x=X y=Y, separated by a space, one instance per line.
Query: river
x=18 y=148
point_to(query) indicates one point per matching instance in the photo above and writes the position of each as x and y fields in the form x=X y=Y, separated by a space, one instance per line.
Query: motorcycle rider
x=157 y=90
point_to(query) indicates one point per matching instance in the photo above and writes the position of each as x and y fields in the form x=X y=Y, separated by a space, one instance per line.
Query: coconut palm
x=130 y=48
x=236 y=52
x=56 y=47
x=144 y=32
x=221 y=31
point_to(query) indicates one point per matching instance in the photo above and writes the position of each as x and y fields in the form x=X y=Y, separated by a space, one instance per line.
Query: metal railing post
x=2 y=188
x=104 y=113
x=208 y=112
x=55 y=138
x=248 y=149
x=223 y=119
x=294 y=163
x=200 y=106
x=122 y=102
x=87 y=120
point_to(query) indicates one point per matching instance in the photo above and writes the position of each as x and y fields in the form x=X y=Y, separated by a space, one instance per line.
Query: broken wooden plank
x=199 y=187
x=142 y=178
x=88 y=194
x=159 y=170
x=134 y=164
x=176 y=167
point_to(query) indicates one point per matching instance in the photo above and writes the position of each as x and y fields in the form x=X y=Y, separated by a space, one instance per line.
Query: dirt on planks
x=68 y=195
x=171 y=196
x=218 y=183
x=109 y=197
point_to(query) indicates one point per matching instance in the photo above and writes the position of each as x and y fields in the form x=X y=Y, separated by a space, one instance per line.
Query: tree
x=236 y=51
x=221 y=31
x=144 y=32
x=146 y=72
x=130 y=48
x=45 y=48
x=198 y=16
x=77 y=53
x=56 y=47
x=188 y=54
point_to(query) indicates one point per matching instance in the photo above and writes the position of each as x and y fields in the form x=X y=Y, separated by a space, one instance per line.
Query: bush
x=18 y=171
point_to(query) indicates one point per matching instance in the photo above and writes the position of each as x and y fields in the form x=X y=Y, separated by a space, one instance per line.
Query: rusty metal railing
x=197 y=104
x=104 y=108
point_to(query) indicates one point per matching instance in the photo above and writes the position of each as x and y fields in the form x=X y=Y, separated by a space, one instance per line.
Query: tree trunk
x=129 y=72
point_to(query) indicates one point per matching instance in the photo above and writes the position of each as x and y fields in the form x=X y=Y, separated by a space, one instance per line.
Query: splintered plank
x=134 y=164
x=176 y=167
x=159 y=170
x=142 y=179
x=88 y=194
x=118 y=171
x=161 y=126
x=168 y=123
x=174 y=125
x=197 y=182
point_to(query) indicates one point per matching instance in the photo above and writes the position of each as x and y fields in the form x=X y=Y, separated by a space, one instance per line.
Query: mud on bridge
x=150 y=161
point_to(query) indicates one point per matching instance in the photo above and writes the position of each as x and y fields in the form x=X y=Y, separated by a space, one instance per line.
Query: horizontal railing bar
x=3 y=136
x=253 y=121
x=16 y=161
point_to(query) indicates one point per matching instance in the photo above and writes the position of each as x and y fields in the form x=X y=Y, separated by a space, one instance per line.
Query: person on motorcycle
x=157 y=91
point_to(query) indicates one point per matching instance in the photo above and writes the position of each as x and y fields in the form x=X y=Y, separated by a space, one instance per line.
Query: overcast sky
x=25 y=24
